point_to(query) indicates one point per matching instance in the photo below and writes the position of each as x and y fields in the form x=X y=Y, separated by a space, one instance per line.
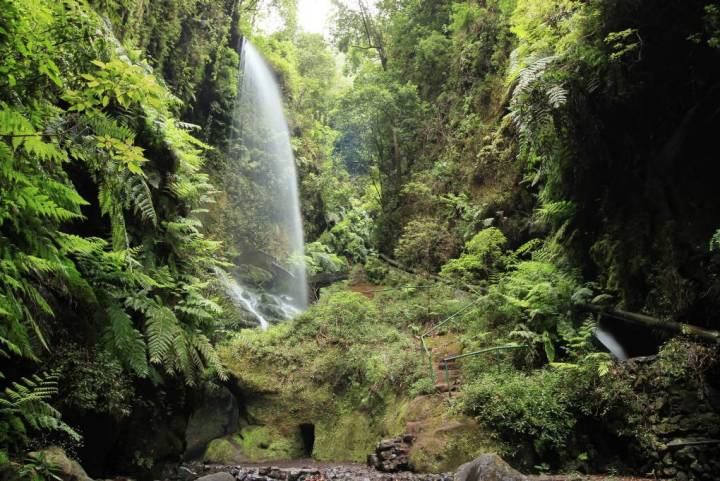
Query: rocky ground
x=310 y=470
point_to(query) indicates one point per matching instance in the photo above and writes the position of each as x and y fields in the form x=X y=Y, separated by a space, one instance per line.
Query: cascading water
x=267 y=186
x=608 y=340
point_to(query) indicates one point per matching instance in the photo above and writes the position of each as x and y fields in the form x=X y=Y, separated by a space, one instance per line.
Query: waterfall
x=608 y=340
x=265 y=187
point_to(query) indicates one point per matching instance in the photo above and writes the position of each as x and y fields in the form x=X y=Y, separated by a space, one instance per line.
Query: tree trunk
x=654 y=322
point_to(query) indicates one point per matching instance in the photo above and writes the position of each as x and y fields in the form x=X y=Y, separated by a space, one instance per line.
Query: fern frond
x=125 y=340
x=139 y=196
x=161 y=329
x=210 y=355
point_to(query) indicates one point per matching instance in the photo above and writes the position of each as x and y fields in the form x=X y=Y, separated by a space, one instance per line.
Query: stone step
x=444 y=387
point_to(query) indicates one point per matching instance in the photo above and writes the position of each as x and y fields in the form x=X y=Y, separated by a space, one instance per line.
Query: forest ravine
x=511 y=231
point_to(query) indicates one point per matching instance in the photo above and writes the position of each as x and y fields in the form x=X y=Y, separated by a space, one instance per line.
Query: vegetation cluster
x=494 y=166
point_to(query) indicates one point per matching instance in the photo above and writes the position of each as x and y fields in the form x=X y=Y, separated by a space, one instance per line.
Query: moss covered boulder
x=268 y=443
x=224 y=451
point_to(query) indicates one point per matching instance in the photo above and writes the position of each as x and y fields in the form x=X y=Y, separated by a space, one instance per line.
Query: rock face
x=681 y=422
x=216 y=416
x=392 y=455
x=488 y=467
x=69 y=469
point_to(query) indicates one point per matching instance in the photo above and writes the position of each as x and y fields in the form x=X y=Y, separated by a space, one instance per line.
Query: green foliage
x=535 y=296
x=24 y=410
x=538 y=406
x=343 y=356
x=711 y=27
x=483 y=258
x=39 y=468
x=425 y=244
x=623 y=43
x=319 y=259
x=715 y=241
x=80 y=113
x=94 y=382
x=543 y=408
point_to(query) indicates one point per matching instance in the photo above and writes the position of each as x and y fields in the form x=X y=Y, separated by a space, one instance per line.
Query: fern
x=161 y=329
x=138 y=194
x=125 y=340
x=715 y=241
x=24 y=408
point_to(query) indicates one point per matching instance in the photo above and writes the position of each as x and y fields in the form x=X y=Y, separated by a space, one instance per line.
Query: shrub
x=542 y=408
x=483 y=257
x=320 y=260
x=426 y=244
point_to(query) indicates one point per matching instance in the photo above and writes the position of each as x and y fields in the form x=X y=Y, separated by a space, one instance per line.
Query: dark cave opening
x=307 y=434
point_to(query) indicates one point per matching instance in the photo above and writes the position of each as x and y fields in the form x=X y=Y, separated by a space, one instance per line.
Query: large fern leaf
x=161 y=329
x=125 y=340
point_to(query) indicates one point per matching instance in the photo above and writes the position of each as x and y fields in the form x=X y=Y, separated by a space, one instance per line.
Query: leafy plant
x=24 y=410
x=484 y=257
x=425 y=243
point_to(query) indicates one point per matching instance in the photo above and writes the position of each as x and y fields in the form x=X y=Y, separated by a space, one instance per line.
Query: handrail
x=483 y=351
x=446 y=360
x=432 y=329
x=436 y=326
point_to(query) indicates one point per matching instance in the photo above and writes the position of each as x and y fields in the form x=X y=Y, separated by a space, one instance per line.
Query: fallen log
x=654 y=322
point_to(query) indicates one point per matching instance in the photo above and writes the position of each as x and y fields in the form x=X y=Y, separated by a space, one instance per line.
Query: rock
x=221 y=476
x=223 y=451
x=184 y=473
x=277 y=473
x=69 y=469
x=216 y=416
x=392 y=455
x=488 y=467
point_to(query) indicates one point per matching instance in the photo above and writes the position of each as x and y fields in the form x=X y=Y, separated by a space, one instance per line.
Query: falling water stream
x=608 y=340
x=260 y=129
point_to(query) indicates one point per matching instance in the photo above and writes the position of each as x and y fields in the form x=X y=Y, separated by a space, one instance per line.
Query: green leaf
x=549 y=347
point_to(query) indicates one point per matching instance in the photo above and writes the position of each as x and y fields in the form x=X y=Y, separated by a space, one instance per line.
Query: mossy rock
x=448 y=446
x=67 y=468
x=223 y=451
x=268 y=443
x=349 y=437
x=443 y=441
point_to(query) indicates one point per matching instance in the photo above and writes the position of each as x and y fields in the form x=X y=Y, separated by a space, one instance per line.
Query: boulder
x=488 y=467
x=68 y=469
x=223 y=451
x=216 y=416
x=392 y=455
x=221 y=476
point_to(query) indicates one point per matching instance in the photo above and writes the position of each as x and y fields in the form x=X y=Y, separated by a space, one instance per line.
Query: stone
x=221 y=476
x=392 y=455
x=277 y=473
x=223 y=451
x=69 y=469
x=488 y=467
x=184 y=473
x=216 y=416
